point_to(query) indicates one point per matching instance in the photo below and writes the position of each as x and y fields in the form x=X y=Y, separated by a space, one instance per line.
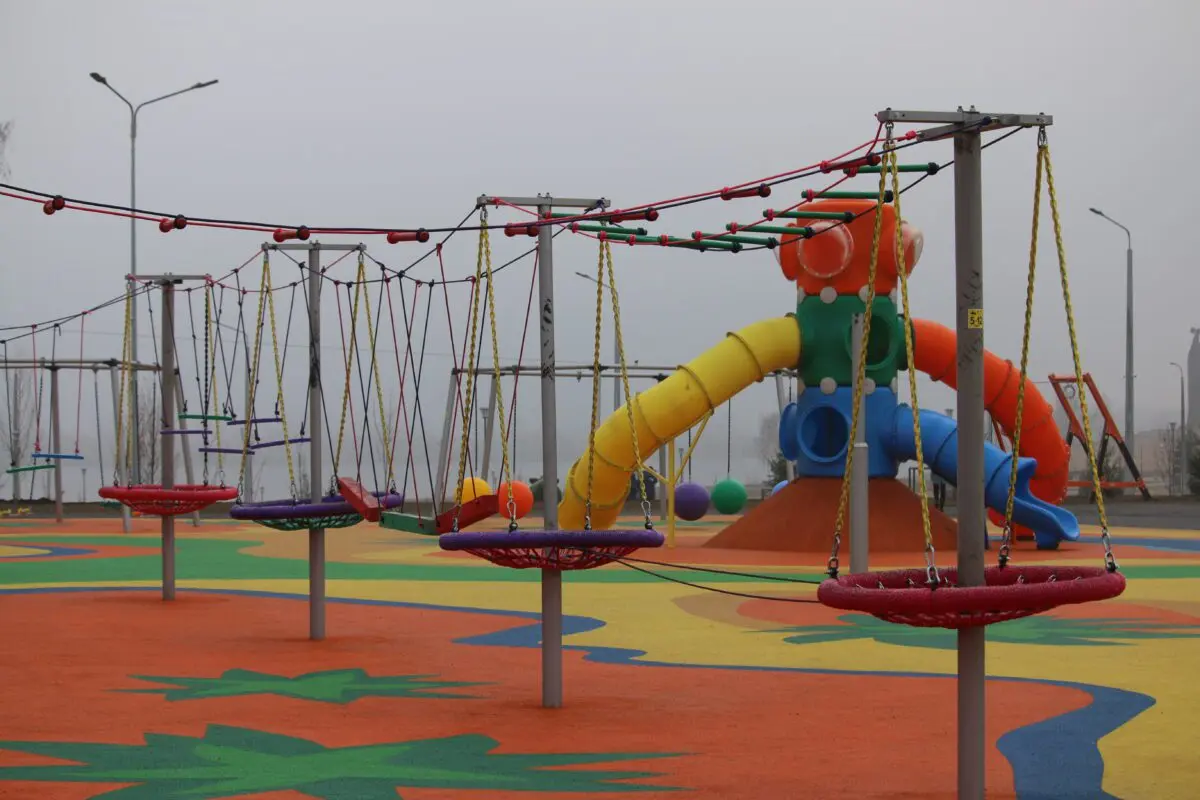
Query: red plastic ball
x=522 y=497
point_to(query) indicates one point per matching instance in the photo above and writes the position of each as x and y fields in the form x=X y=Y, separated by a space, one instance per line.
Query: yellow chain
x=362 y=279
x=1109 y=560
x=469 y=365
x=861 y=374
x=126 y=341
x=352 y=350
x=287 y=444
x=902 y=271
x=505 y=465
x=1010 y=501
x=254 y=367
x=595 y=419
x=637 y=452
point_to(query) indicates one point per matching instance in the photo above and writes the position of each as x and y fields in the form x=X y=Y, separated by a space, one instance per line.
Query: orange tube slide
x=934 y=353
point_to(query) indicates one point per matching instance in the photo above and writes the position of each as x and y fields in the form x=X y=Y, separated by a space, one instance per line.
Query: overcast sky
x=400 y=114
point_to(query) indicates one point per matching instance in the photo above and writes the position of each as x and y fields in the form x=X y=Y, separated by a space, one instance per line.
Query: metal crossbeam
x=167 y=278
x=308 y=246
x=547 y=200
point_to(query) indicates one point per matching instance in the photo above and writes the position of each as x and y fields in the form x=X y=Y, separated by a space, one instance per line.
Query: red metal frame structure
x=1110 y=433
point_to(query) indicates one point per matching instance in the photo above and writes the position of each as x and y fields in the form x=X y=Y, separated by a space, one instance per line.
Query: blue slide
x=1050 y=524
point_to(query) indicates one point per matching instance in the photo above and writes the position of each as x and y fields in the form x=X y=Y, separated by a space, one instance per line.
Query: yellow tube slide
x=669 y=408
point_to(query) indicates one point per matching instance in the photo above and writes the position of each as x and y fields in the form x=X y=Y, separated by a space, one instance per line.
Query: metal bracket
x=314 y=246
x=952 y=122
x=545 y=200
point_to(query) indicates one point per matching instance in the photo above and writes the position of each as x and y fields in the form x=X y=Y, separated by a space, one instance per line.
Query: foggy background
x=400 y=114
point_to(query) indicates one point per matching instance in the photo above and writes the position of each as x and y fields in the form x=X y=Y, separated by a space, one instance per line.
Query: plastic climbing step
x=365 y=503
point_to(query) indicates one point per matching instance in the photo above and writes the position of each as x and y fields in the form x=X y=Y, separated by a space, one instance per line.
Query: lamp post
x=1183 y=431
x=616 y=348
x=1130 y=434
x=133 y=112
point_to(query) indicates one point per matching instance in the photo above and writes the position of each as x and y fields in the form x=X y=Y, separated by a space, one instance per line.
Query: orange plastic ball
x=522 y=497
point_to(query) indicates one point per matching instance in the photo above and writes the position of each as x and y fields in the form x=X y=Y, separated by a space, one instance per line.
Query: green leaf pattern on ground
x=231 y=761
x=331 y=686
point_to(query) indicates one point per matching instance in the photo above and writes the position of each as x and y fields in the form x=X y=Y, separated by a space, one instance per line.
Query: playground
x=383 y=621
x=671 y=691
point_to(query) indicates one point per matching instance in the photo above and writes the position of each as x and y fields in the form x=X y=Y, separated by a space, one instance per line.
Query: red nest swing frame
x=155 y=500
x=905 y=596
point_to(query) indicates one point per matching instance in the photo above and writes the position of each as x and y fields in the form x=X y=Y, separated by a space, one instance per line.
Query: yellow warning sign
x=975 y=318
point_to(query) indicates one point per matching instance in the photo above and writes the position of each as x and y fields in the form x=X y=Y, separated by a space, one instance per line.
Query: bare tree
x=18 y=424
x=5 y=135
x=149 y=424
x=303 y=482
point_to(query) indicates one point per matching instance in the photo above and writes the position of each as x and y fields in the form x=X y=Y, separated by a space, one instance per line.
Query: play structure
x=849 y=253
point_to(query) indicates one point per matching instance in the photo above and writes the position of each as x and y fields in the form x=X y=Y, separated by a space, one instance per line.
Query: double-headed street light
x=133 y=112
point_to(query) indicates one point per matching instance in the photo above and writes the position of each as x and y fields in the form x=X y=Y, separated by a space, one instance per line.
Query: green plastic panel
x=825 y=330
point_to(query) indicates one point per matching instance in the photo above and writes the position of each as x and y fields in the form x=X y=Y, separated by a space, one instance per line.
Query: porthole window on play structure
x=828 y=251
x=824 y=432
x=914 y=243
x=882 y=343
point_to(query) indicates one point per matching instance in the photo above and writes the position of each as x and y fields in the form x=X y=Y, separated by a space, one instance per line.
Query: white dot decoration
x=828 y=294
x=828 y=385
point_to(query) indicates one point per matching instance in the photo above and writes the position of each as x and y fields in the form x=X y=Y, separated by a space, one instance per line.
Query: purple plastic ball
x=691 y=501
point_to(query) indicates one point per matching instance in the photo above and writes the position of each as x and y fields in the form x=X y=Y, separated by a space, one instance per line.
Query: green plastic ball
x=729 y=496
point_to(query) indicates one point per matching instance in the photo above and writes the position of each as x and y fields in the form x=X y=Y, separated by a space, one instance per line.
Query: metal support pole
x=781 y=396
x=1184 y=437
x=56 y=444
x=118 y=472
x=672 y=479
x=167 y=443
x=189 y=471
x=1130 y=432
x=860 y=477
x=439 y=490
x=552 y=676
x=133 y=316
x=664 y=511
x=249 y=469
x=316 y=536
x=972 y=525
x=489 y=425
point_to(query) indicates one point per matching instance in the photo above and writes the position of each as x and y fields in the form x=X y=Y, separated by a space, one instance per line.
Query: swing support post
x=965 y=128
x=56 y=444
x=552 y=671
x=552 y=677
x=316 y=536
x=167 y=443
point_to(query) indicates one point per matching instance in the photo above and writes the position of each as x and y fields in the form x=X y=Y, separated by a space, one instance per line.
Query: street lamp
x=616 y=348
x=133 y=112
x=1183 y=431
x=1130 y=434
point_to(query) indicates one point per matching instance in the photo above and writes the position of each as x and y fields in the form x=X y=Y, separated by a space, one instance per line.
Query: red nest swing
x=906 y=597
x=155 y=500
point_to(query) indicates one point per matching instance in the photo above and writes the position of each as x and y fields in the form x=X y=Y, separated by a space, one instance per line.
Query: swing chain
x=931 y=572
x=1110 y=561
x=1010 y=502
x=647 y=516
x=860 y=376
x=484 y=242
x=595 y=417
